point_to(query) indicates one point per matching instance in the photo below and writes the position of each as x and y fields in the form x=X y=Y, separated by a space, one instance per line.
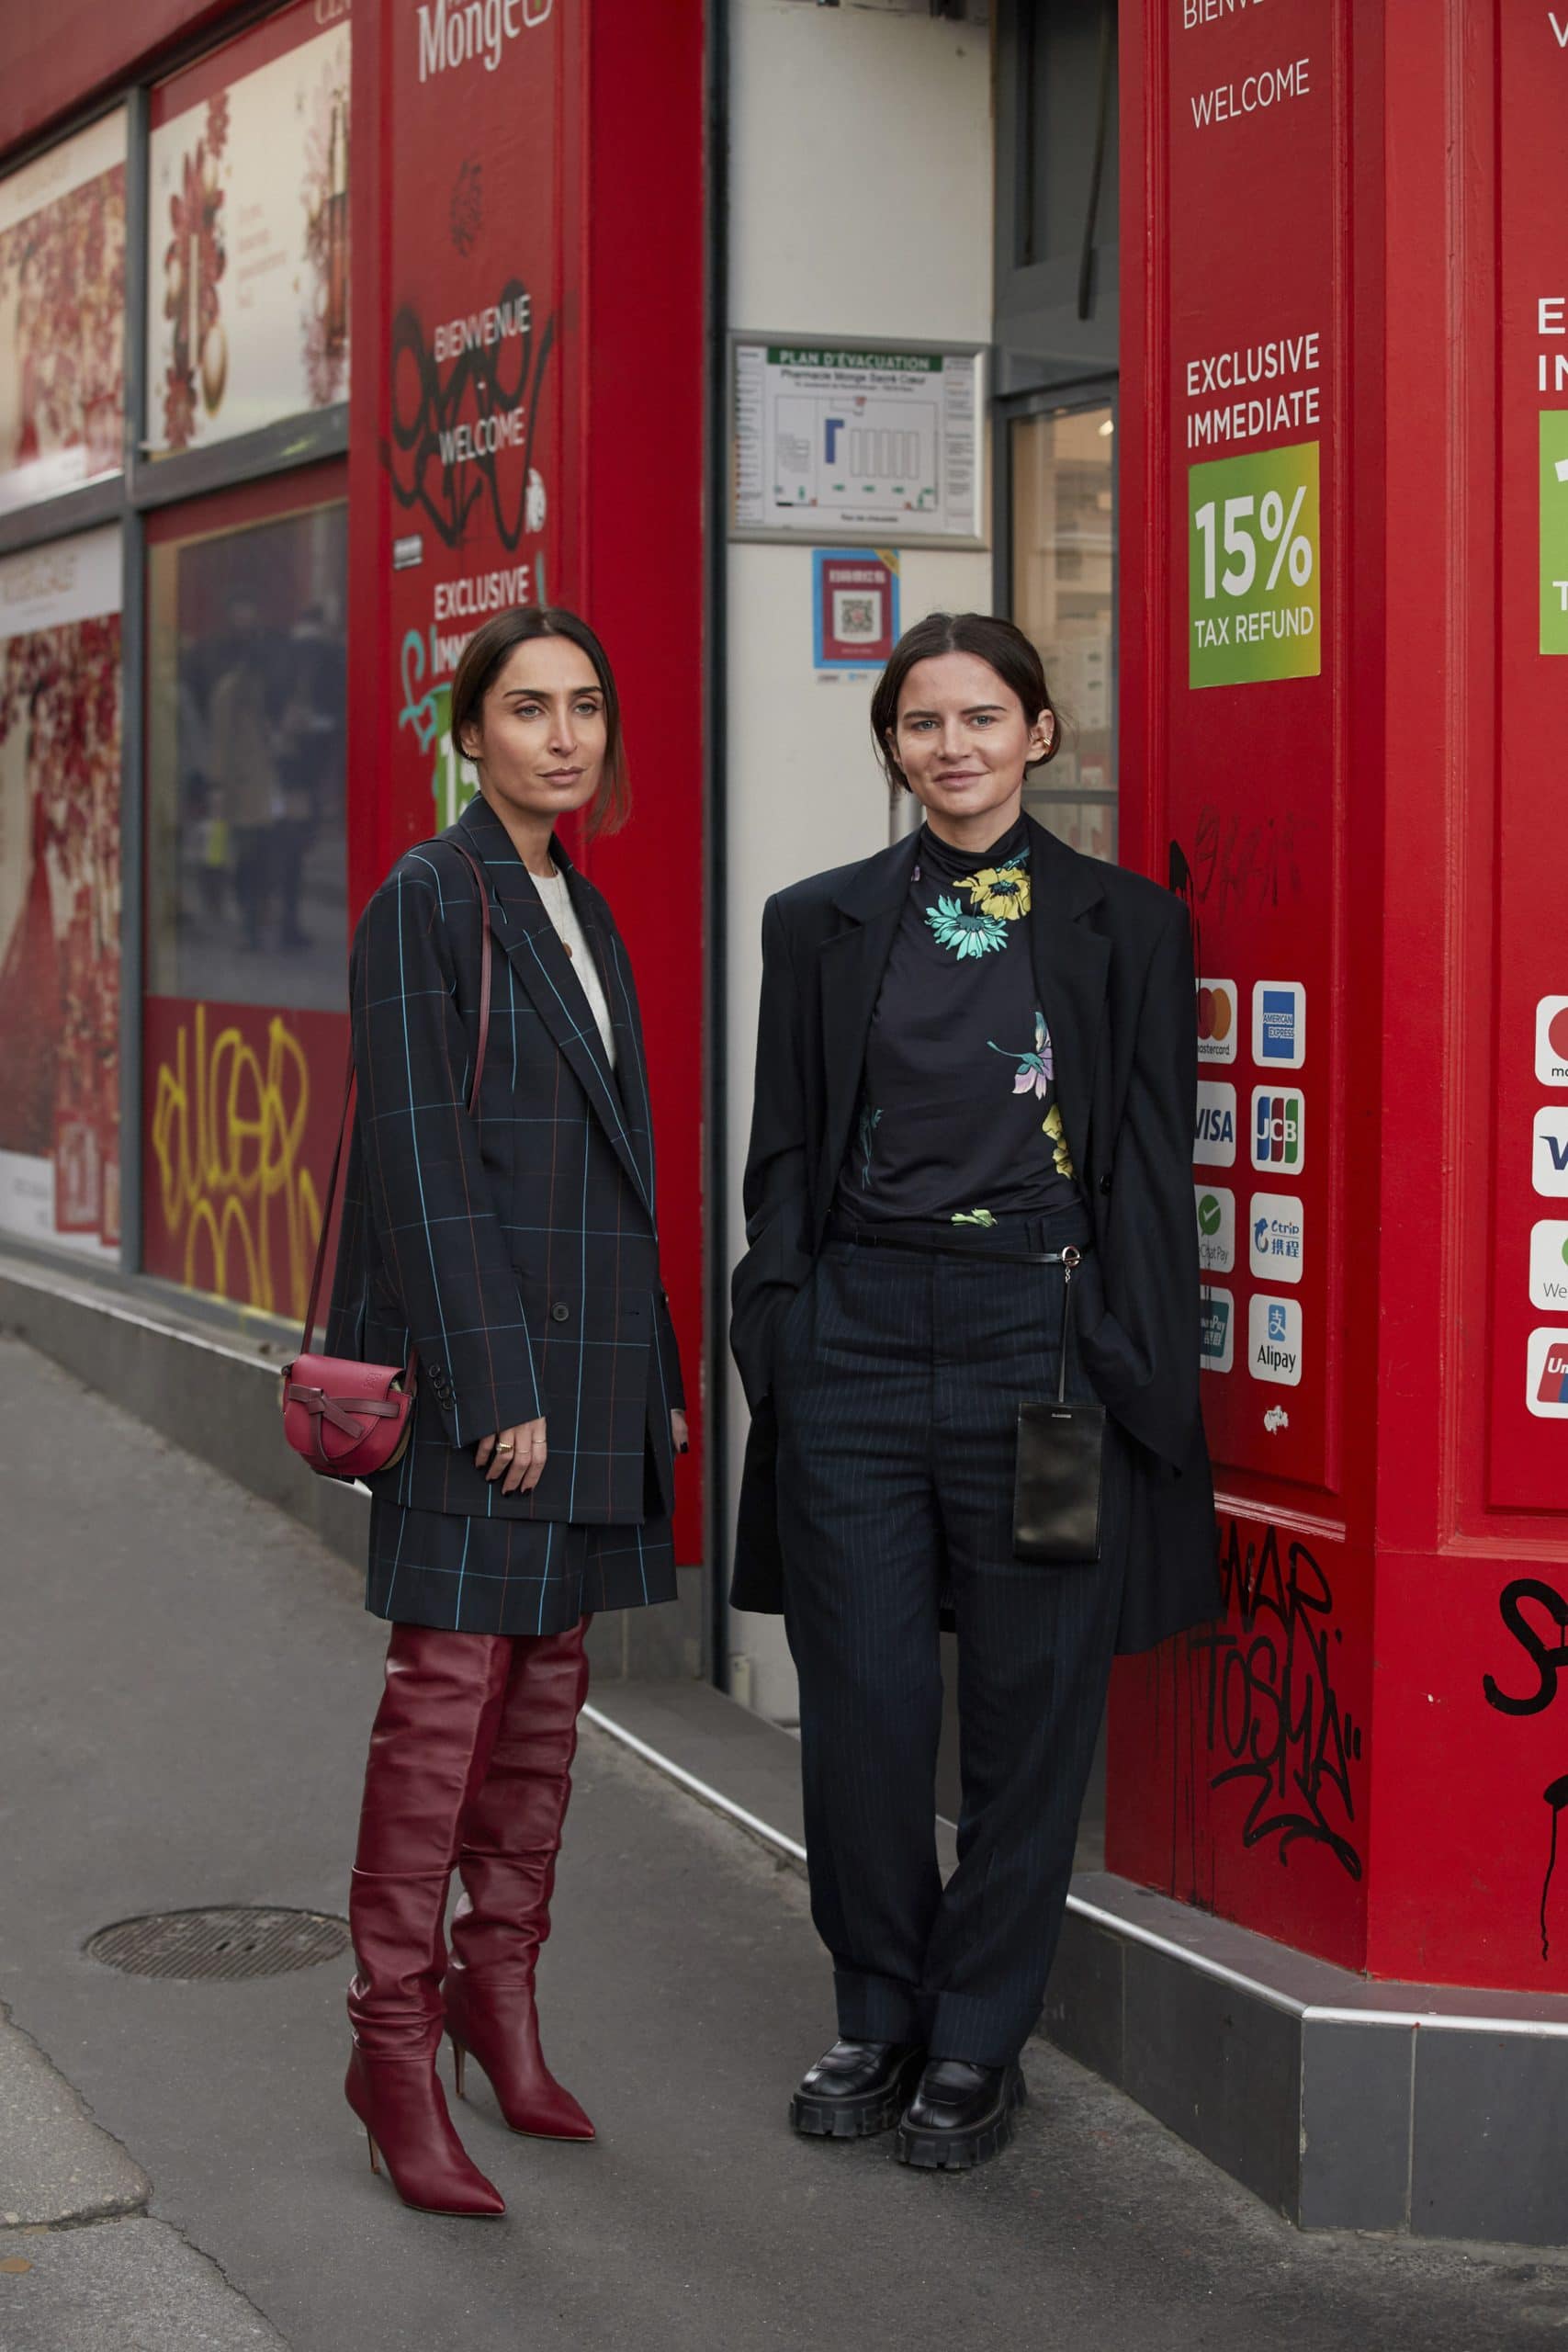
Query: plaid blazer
x=520 y=1250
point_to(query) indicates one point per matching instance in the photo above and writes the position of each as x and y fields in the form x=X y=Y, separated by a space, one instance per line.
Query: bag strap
x=1071 y=1261
x=320 y=1267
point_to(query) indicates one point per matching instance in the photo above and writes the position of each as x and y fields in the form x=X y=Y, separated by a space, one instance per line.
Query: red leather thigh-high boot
x=511 y=1835
x=432 y=1739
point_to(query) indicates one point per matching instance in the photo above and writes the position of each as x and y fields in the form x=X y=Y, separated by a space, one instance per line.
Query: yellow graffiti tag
x=228 y=1137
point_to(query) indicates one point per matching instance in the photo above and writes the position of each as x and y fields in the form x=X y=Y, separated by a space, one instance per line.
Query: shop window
x=62 y=317
x=243 y=1025
x=60 y=755
x=247 y=263
x=1063 y=598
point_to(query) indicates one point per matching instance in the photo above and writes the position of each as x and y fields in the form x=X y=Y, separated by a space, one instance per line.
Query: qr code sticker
x=857 y=614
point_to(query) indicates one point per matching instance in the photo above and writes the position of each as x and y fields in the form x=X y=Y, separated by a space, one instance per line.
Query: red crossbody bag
x=349 y=1419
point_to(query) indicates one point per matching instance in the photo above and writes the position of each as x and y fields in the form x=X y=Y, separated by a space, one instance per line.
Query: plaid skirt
x=509 y=1576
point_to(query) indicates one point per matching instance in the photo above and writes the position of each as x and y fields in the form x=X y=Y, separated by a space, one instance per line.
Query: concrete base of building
x=1344 y=2103
x=212 y=1390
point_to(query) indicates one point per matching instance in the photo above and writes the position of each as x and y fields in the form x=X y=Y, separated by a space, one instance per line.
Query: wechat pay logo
x=1215 y=1208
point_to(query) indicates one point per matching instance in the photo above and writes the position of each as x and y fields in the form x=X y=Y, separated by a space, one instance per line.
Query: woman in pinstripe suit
x=975 y=1074
x=516 y=1249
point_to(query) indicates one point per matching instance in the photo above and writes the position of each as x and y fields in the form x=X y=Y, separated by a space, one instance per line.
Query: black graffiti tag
x=454 y=442
x=1271 y=1704
x=1549 y=1659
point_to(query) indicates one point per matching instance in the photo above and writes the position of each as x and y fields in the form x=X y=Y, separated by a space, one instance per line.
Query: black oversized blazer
x=520 y=1250
x=1113 y=962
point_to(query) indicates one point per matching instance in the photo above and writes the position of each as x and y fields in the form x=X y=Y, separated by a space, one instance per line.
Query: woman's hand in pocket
x=515 y=1456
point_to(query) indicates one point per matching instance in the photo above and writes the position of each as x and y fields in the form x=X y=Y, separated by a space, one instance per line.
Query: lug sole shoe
x=855 y=2090
x=959 y=2115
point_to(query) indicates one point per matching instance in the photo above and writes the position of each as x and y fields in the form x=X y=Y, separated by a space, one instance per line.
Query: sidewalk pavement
x=186 y=1685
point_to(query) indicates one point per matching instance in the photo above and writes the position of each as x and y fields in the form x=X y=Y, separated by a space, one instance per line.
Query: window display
x=60 y=751
x=247 y=267
x=62 y=317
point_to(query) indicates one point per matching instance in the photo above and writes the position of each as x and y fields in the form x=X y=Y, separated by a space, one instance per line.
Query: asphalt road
x=186 y=1684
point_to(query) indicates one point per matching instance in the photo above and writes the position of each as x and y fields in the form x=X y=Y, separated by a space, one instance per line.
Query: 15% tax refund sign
x=1253 y=567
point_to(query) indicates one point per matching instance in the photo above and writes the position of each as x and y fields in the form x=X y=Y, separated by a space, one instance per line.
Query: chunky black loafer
x=855 y=2089
x=959 y=2115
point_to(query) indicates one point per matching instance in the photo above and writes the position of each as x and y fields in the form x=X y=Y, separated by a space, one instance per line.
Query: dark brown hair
x=487 y=652
x=1002 y=643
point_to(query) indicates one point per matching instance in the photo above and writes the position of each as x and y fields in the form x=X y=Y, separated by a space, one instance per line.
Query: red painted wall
x=55 y=61
x=1345 y=1763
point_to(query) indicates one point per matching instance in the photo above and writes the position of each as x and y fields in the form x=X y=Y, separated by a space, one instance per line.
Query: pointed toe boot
x=511 y=1835
x=428 y=1751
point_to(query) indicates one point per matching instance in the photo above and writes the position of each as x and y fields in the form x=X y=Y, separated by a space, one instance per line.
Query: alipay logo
x=1214 y=1141
x=1279 y=1129
x=1548 y=1168
x=1548 y=1263
x=1216 y=1227
x=1277 y=1222
x=1278 y=1024
x=1274 y=1340
x=1546 y=1382
x=1217 y=1344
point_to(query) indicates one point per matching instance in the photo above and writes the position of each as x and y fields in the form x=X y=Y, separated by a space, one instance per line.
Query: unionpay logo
x=1274 y=1339
x=1279 y=1129
x=1548 y=1263
x=1548 y=1168
x=1276 y=1219
x=1215 y=1140
x=1216 y=1227
x=1278 y=1024
x=1216 y=1328
x=1216 y=1021
x=1550 y=1041
x=1546 y=1377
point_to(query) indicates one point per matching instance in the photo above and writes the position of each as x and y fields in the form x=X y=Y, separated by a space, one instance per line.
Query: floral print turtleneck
x=958 y=1119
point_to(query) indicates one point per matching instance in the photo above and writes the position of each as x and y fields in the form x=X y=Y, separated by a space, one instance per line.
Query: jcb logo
x=1279 y=1128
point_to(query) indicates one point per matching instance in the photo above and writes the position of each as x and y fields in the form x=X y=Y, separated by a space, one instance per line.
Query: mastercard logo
x=1557 y=1033
x=1217 y=1014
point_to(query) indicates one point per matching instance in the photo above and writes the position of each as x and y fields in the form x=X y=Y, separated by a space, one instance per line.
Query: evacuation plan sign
x=831 y=441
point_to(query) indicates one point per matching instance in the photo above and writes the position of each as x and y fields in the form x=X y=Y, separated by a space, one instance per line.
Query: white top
x=557 y=903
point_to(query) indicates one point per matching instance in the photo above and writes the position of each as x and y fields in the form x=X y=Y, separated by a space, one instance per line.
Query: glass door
x=1062 y=472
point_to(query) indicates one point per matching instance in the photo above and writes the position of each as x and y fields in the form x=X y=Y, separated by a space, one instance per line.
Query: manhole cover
x=243 y=1941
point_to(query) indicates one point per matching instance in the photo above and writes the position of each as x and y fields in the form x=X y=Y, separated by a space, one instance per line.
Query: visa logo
x=1216 y=1125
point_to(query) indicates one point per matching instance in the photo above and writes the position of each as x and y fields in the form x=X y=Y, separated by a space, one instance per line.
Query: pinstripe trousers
x=897 y=1381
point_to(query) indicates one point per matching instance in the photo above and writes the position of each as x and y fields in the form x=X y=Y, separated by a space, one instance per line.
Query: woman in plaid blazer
x=517 y=1251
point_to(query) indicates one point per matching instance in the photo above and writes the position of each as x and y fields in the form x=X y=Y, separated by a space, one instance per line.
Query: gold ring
x=508 y=1448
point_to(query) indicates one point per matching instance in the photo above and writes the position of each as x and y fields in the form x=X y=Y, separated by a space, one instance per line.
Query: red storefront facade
x=1342 y=322
x=385 y=352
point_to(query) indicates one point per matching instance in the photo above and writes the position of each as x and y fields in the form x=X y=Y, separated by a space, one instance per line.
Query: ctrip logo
x=1279 y=1128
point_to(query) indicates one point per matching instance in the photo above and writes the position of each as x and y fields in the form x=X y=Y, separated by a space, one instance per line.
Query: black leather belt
x=1072 y=1253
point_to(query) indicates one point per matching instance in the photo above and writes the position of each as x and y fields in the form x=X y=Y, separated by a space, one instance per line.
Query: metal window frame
x=1041 y=342
x=144 y=483
x=1062 y=400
